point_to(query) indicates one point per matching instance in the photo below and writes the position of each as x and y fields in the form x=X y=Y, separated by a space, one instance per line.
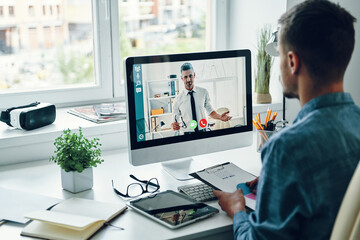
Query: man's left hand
x=231 y=203
x=225 y=117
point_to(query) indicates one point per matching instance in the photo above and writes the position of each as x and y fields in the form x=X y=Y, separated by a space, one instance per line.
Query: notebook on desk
x=74 y=218
x=227 y=177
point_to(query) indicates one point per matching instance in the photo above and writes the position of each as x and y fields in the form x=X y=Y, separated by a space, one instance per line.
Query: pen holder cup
x=262 y=137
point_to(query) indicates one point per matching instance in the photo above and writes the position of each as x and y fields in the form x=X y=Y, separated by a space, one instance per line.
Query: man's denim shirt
x=306 y=170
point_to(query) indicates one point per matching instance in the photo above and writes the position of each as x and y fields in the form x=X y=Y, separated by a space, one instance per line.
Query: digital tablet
x=172 y=209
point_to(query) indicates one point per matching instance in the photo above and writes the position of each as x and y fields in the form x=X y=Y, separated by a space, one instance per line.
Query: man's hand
x=224 y=117
x=175 y=126
x=252 y=185
x=231 y=203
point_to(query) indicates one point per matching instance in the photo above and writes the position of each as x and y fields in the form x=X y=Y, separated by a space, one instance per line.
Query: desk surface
x=43 y=177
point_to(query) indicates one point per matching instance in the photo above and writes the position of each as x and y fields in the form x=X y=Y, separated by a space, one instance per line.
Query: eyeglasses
x=136 y=189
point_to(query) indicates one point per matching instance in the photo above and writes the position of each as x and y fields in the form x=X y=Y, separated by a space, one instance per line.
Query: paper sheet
x=15 y=204
x=227 y=177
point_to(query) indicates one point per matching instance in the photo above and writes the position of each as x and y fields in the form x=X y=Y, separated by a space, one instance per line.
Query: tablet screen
x=173 y=208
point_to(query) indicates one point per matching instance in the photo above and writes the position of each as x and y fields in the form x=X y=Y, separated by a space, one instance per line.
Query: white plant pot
x=77 y=182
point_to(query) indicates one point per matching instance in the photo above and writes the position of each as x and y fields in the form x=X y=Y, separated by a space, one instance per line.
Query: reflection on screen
x=172 y=209
x=163 y=104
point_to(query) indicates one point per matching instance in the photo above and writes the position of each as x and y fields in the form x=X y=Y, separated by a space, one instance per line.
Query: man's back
x=307 y=167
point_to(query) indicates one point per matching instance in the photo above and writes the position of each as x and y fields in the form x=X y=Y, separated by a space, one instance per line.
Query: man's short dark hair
x=186 y=66
x=322 y=34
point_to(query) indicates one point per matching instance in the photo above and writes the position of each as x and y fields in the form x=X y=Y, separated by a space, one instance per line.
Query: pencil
x=255 y=124
x=274 y=116
x=260 y=126
x=257 y=119
x=268 y=114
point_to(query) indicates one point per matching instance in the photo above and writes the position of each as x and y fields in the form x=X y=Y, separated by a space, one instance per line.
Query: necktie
x=193 y=109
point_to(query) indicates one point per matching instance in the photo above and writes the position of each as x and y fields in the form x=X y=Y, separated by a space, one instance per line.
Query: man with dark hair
x=191 y=104
x=307 y=166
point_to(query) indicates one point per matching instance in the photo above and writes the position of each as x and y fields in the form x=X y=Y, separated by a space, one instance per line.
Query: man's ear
x=294 y=62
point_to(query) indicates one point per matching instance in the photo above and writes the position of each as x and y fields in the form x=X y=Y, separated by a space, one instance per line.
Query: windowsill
x=23 y=146
x=261 y=108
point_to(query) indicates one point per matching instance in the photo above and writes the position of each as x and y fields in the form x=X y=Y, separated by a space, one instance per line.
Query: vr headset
x=28 y=117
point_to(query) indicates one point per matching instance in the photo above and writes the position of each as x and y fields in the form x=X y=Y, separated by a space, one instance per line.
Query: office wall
x=352 y=75
x=246 y=18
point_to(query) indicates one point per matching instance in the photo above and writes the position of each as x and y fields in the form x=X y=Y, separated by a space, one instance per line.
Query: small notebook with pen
x=74 y=218
x=228 y=177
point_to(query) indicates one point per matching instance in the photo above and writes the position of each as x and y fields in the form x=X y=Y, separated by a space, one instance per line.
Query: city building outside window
x=162 y=27
x=76 y=56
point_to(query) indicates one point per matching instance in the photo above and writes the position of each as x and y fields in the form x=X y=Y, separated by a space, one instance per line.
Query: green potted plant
x=263 y=68
x=76 y=155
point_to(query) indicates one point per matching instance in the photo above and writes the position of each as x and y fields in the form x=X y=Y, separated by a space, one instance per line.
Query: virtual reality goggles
x=28 y=117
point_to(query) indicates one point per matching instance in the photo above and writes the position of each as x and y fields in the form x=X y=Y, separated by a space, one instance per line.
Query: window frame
x=103 y=71
x=107 y=61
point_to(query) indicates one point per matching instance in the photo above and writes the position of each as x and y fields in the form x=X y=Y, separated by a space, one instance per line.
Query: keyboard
x=198 y=191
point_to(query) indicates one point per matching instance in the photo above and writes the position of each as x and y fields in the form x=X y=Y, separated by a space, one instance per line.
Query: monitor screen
x=181 y=105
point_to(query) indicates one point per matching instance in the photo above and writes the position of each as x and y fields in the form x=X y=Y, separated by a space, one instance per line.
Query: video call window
x=161 y=98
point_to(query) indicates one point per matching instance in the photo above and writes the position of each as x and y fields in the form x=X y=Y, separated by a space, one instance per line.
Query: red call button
x=203 y=123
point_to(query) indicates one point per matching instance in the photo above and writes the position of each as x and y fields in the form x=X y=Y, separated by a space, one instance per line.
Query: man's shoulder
x=319 y=130
x=182 y=93
x=200 y=89
x=286 y=138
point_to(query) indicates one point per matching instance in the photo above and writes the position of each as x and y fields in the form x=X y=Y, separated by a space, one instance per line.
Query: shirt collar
x=326 y=100
x=192 y=90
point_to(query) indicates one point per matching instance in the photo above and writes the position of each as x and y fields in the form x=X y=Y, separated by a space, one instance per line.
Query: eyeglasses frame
x=147 y=183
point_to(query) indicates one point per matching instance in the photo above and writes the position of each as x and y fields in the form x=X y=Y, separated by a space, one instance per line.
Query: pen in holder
x=262 y=137
x=266 y=130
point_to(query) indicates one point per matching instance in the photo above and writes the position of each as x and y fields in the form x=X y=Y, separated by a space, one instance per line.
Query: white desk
x=43 y=177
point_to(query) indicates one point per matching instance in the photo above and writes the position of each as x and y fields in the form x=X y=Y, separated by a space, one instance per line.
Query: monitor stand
x=179 y=168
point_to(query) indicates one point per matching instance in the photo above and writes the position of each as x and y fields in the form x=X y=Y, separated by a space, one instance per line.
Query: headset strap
x=5 y=115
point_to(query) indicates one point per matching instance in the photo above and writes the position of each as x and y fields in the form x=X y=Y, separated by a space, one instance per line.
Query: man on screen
x=191 y=104
x=307 y=166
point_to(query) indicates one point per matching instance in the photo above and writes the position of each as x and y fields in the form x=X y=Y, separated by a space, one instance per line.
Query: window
x=11 y=11
x=1 y=11
x=51 y=10
x=44 y=10
x=78 y=58
x=162 y=27
x=31 y=11
x=57 y=61
x=33 y=44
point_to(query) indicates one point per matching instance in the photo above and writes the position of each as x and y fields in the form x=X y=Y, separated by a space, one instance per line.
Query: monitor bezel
x=130 y=95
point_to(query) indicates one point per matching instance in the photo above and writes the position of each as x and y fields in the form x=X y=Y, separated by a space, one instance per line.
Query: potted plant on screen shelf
x=76 y=155
x=263 y=68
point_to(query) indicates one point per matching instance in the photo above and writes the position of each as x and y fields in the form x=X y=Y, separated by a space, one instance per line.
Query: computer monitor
x=162 y=125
